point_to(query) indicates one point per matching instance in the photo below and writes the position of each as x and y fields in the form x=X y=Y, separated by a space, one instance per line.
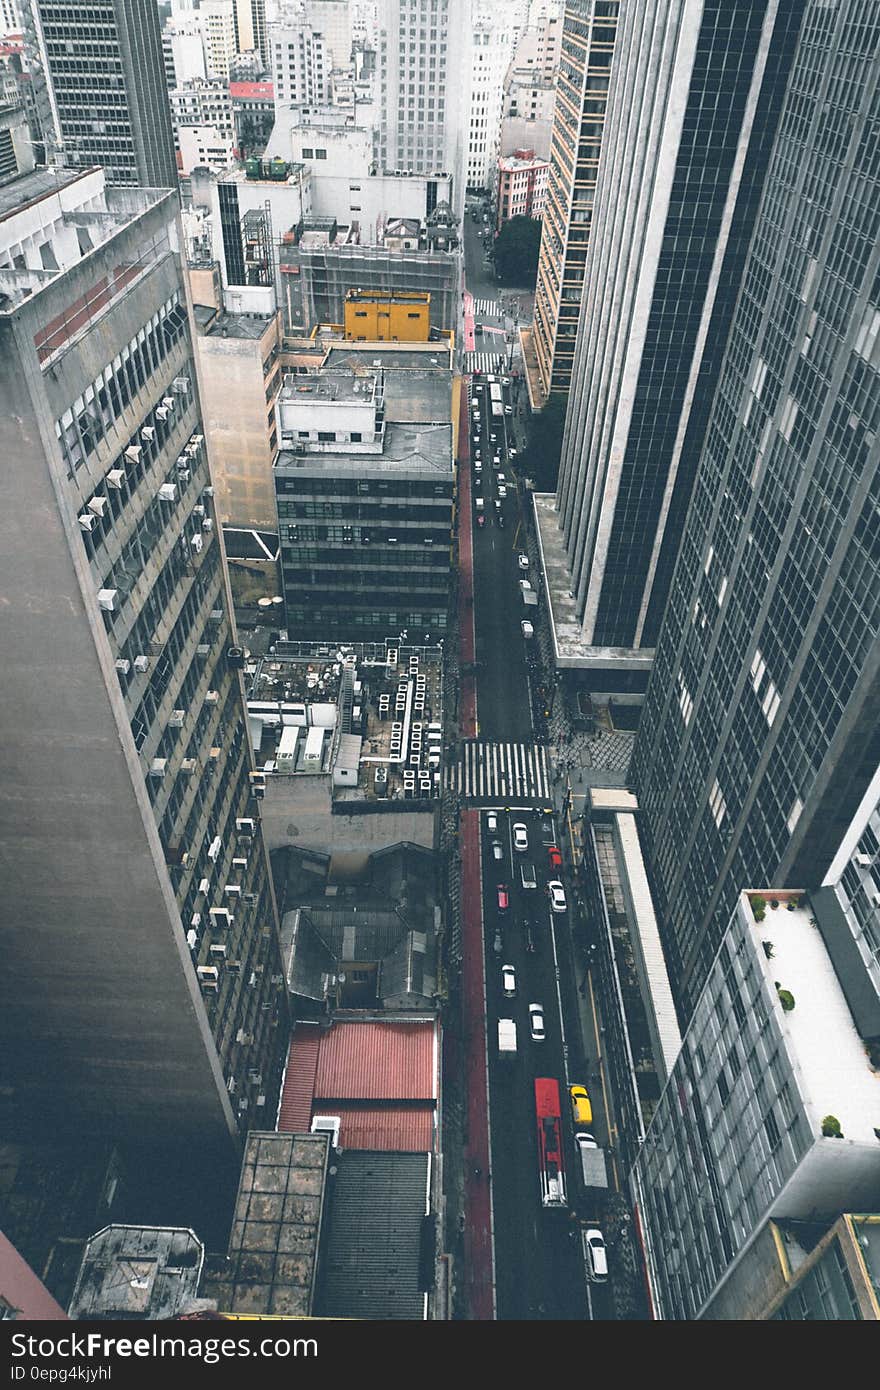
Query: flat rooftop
x=394 y=297
x=327 y=385
x=33 y=187
x=424 y=448
x=251 y=326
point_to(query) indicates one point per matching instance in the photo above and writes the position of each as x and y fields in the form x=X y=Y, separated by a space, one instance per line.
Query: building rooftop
x=143 y=1272
x=331 y=385
x=824 y=1047
x=411 y=446
x=512 y=163
x=224 y=325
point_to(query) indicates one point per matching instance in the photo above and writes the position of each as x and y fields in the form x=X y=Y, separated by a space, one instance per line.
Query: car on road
x=498 y=944
x=481 y=521
x=478 y=467
x=505 y=381
x=520 y=836
x=497 y=849
x=498 y=504
x=584 y=1141
x=522 y=560
x=557 y=895
x=508 y=980
x=525 y=586
x=529 y=933
x=595 y=1254
x=554 y=856
x=501 y=520
x=548 y=834
x=496 y=459
x=511 y=452
x=581 y=1109
x=491 y=820
x=536 y=1022
x=527 y=630
x=502 y=490
x=508 y=410
x=503 y=895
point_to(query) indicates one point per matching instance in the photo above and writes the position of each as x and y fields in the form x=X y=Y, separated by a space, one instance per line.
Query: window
x=307 y=153
x=320 y=154
x=327 y=436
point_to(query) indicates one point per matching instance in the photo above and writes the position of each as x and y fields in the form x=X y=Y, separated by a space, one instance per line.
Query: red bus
x=550 y=1166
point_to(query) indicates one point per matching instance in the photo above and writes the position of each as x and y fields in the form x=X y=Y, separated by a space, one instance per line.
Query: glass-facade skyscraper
x=761 y=728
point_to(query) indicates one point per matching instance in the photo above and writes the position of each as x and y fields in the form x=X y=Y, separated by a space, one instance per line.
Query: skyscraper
x=693 y=103
x=424 y=88
x=99 y=72
x=588 y=35
x=142 y=992
x=761 y=728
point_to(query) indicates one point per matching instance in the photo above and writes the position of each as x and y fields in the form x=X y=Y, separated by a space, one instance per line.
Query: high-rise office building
x=492 y=47
x=760 y=733
x=100 y=75
x=674 y=206
x=142 y=992
x=424 y=88
x=587 y=48
x=307 y=43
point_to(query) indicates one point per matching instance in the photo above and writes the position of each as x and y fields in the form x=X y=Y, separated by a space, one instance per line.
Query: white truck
x=592 y=1161
x=506 y=1037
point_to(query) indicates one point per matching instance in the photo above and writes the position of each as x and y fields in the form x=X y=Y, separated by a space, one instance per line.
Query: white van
x=595 y=1254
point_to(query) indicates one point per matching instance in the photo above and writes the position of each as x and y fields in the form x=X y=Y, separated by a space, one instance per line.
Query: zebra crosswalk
x=491 y=362
x=487 y=308
x=501 y=772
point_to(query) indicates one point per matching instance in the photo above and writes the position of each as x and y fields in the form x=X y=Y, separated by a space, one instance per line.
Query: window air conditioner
x=183 y=474
x=161 y=412
x=88 y=521
x=207 y=972
x=133 y=453
x=175 y=718
x=168 y=492
x=239 y=863
x=199 y=510
x=180 y=384
x=114 y=478
x=192 y=939
x=148 y=432
x=168 y=402
x=207 y=524
x=123 y=666
x=142 y=663
x=218 y=949
x=97 y=505
x=242 y=1036
x=214 y=849
x=255 y=1078
x=188 y=766
x=232 y=890
x=246 y=823
x=204 y=885
x=107 y=599
x=203 y=649
x=233 y=967
x=196 y=542
x=211 y=697
x=208 y=492
x=158 y=767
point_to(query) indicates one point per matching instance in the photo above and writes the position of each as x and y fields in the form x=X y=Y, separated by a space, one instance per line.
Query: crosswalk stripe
x=501 y=772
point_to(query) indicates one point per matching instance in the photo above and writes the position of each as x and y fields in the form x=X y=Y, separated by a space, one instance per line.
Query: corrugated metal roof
x=295 y=1111
x=407 y=1131
x=370 y=1266
x=378 y=1061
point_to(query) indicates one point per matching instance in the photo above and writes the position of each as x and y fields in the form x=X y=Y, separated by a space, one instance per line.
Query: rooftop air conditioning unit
x=148 y=432
x=168 y=492
x=133 y=453
x=88 y=521
x=123 y=666
x=214 y=849
x=188 y=766
x=107 y=600
x=158 y=767
x=175 y=718
x=211 y=697
x=142 y=663
x=114 y=478
x=97 y=505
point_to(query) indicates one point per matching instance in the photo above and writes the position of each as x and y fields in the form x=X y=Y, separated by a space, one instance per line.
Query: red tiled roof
x=295 y=1112
x=378 y=1061
x=392 y=1128
x=254 y=90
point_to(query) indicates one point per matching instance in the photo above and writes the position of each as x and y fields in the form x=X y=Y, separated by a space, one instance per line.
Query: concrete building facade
x=138 y=997
x=522 y=186
x=491 y=50
x=118 y=64
x=760 y=734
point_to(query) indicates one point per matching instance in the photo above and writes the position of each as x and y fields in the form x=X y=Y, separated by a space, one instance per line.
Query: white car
x=527 y=630
x=505 y=381
x=478 y=467
x=502 y=490
x=536 y=1022
x=491 y=820
x=508 y=410
x=525 y=586
x=497 y=849
x=508 y=980
x=595 y=1254
x=522 y=560
x=584 y=1141
x=520 y=837
x=557 y=896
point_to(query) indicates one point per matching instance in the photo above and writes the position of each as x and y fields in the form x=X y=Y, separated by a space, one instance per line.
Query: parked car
x=525 y=586
x=520 y=836
x=497 y=849
x=557 y=895
x=502 y=490
x=555 y=857
x=581 y=1109
x=522 y=560
x=508 y=410
x=527 y=630
x=508 y=980
x=536 y=1022
x=478 y=467
x=503 y=897
x=505 y=381
x=595 y=1254
x=511 y=452
x=491 y=820
x=481 y=521
x=498 y=944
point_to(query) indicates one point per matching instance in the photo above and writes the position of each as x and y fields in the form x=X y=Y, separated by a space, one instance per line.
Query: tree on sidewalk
x=516 y=251
x=540 y=462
